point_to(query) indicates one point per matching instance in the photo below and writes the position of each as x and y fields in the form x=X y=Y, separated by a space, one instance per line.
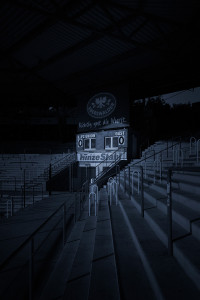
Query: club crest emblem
x=101 y=105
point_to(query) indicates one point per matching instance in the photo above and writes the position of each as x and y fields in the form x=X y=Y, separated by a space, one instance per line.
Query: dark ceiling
x=54 y=50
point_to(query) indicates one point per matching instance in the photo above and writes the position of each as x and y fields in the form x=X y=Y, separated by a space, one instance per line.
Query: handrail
x=169 y=201
x=29 y=238
x=103 y=161
x=198 y=150
x=52 y=166
x=112 y=163
x=112 y=187
x=63 y=158
x=144 y=159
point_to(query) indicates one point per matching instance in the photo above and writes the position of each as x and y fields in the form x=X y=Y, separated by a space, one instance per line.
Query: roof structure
x=54 y=50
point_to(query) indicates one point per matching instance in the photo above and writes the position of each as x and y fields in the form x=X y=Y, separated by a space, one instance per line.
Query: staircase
x=29 y=172
x=123 y=251
x=125 y=255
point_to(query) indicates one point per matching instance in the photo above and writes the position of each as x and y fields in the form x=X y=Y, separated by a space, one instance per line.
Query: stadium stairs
x=122 y=252
x=29 y=172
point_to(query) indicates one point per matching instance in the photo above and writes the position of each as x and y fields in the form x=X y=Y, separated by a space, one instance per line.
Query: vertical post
x=42 y=191
x=110 y=191
x=33 y=195
x=124 y=180
x=129 y=180
x=116 y=193
x=169 y=211
x=50 y=175
x=160 y=166
x=95 y=204
x=31 y=270
x=24 y=204
x=70 y=178
x=15 y=185
x=167 y=148
x=74 y=209
x=86 y=172
x=89 y=206
x=64 y=224
x=142 y=192
x=12 y=204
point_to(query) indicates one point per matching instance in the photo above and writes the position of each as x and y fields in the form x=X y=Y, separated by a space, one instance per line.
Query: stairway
x=117 y=255
x=185 y=207
x=120 y=254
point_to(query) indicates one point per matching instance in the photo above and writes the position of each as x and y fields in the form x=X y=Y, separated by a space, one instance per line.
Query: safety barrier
x=193 y=141
x=9 y=201
x=157 y=167
x=178 y=156
x=138 y=173
x=95 y=203
x=113 y=190
x=169 y=204
x=198 y=151
x=33 y=251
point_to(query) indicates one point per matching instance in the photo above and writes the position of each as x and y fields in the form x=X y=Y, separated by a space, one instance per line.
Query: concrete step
x=182 y=191
x=163 y=272
x=158 y=222
x=16 y=232
x=186 y=194
x=133 y=279
x=55 y=287
x=104 y=280
x=184 y=215
x=78 y=283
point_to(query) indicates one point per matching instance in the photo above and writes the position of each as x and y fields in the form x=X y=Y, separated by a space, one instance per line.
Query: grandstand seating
x=30 y=171
x=123 y=252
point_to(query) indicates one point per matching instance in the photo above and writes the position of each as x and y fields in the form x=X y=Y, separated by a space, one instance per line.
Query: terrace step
x=104 y=280
x=184 y=237
x=78 y=283
x=144 y=252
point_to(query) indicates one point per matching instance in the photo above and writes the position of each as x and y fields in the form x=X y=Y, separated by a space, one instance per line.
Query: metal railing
x=140 y=176
x=82 y=195
x=110 y=164
x=61 y=164
x=169 y=203
x=30 y=242
x=112 y=190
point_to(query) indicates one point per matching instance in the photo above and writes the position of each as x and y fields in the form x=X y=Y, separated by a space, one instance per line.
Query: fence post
x=12 y=205
x=31 y=270
x=161 y=167
x=42 y=191
x=119 y=177
x=24 y=204
x=15 y=185
x=70 y=178
x=74 y=209
x=50 y=175
x=129 y=180
x=167 y=148
x=72 y=173
x=33 y=195
x=64 y=224
x=142 y=192
x=124 y=180
x=169 y=211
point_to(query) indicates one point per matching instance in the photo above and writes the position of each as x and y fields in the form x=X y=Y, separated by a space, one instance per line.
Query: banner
x=100 y=156
x=105 y=109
